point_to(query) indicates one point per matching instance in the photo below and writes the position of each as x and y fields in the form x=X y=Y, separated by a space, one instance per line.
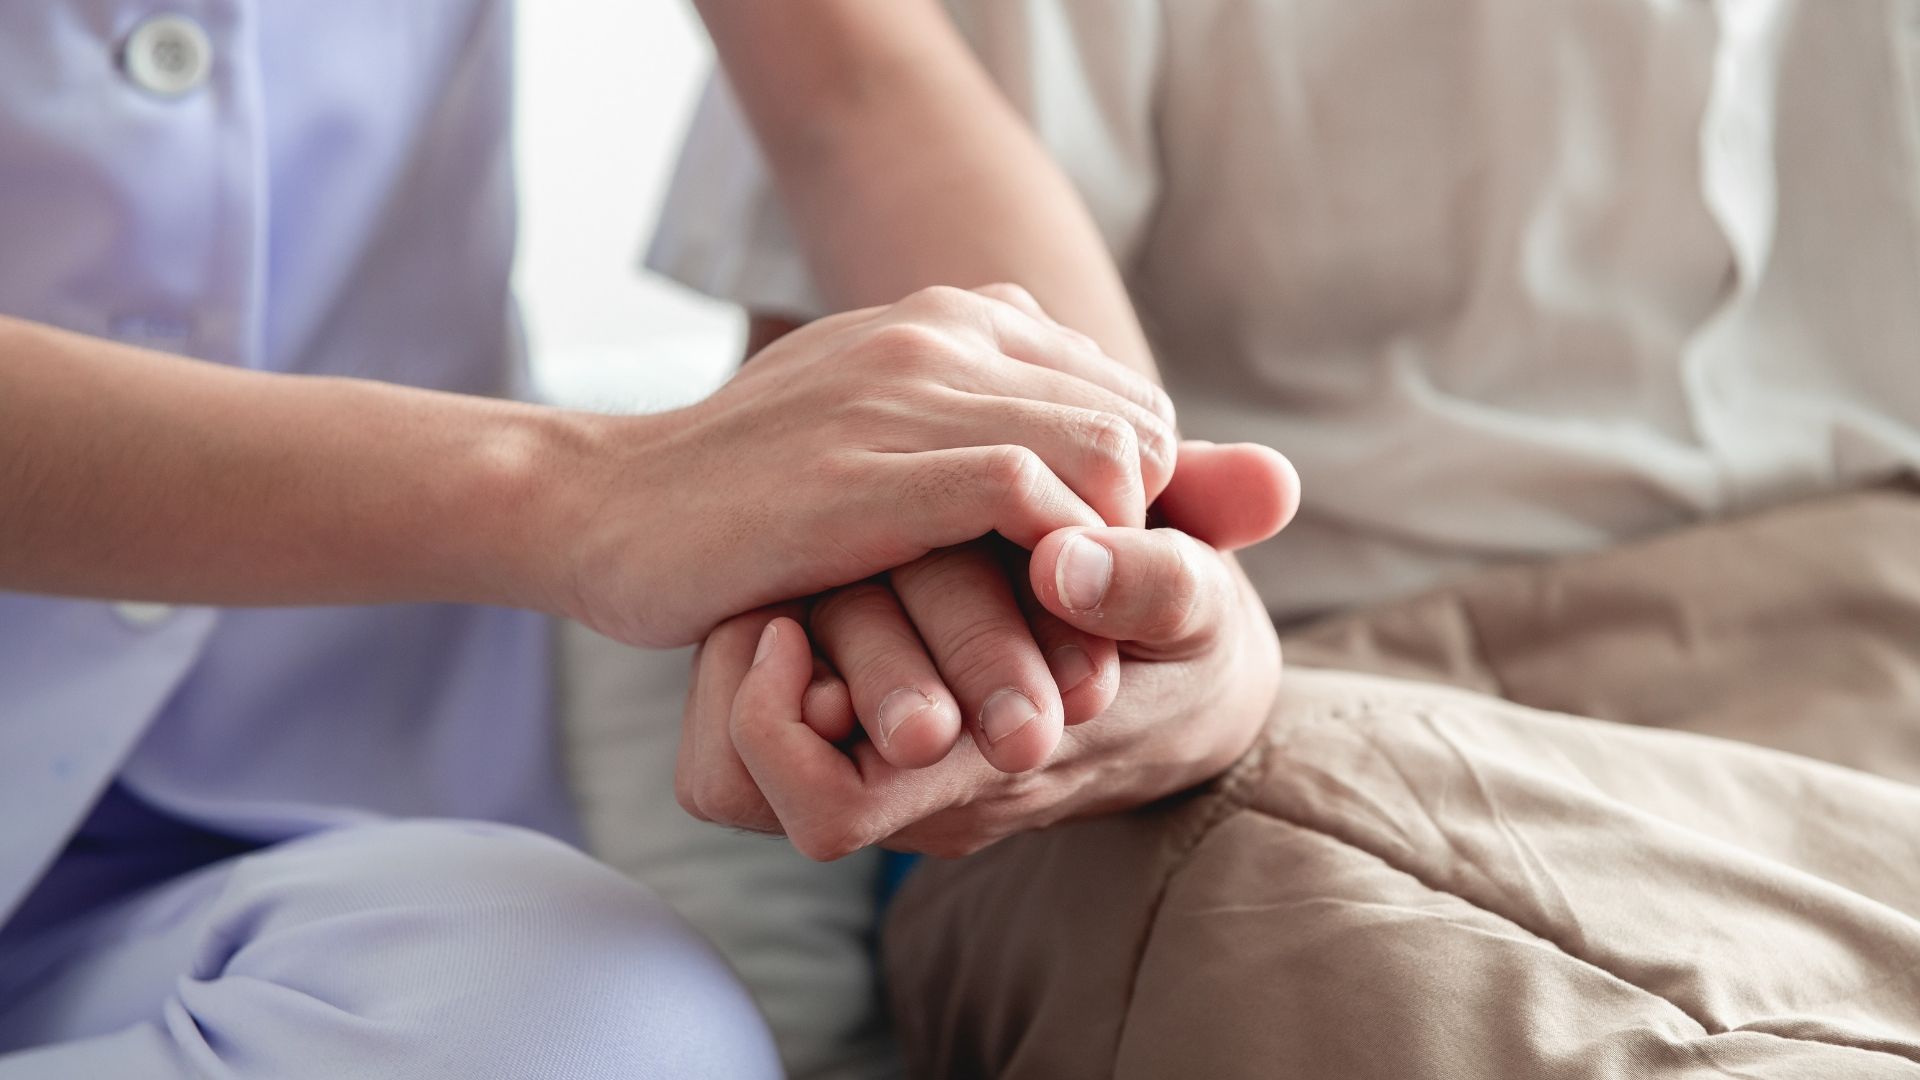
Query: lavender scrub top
x=316 y=188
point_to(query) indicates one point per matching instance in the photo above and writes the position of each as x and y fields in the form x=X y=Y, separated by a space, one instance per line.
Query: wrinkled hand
x=1180 y=698
x=854 y=445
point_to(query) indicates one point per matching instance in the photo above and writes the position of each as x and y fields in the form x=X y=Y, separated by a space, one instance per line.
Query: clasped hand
x=984 y=688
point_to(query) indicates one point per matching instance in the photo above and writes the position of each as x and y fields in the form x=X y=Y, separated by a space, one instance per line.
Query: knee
x=503 y=952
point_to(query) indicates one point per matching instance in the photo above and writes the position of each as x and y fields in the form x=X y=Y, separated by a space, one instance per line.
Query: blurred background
x=604 y=95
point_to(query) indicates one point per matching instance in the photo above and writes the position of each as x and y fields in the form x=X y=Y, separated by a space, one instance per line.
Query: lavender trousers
x=415 y=950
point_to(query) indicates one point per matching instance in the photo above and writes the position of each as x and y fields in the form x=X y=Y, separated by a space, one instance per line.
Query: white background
x=604 y=93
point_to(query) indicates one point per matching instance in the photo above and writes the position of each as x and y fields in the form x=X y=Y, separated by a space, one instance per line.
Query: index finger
x=1084 y=357
x=1022 y=332
x=830 y=804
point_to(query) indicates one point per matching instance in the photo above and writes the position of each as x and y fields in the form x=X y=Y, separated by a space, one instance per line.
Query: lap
x=1409 y=880
x=1412 y=881
x=424 y=948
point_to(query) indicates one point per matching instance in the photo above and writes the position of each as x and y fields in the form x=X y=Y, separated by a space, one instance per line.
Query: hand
x=1016 y=673
x=1195 y=680
x=857 y=444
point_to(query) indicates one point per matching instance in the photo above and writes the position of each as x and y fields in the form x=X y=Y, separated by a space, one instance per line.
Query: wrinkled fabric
x=417 y=950
x=1404 y=879
x=798 y=932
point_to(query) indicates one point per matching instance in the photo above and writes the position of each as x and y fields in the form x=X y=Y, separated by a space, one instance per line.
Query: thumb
x=1157 y=588
x=1230 y=495
x=807 y=781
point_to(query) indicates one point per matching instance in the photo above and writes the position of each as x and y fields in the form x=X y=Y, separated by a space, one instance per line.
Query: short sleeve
x=722 y=231
x=1084 y=73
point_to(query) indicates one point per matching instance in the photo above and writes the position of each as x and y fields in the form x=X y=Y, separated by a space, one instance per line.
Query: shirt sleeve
x=1084 y=73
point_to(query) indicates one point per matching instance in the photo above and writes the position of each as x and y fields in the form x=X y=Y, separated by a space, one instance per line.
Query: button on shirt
x=1506 y=279
x=309 y=188
x=168 y=55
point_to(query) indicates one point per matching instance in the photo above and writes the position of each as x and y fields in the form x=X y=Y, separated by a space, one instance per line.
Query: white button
x=142 y=615
x=168 y=55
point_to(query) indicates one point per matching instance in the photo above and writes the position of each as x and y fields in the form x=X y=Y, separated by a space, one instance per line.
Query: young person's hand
x=854 y=445
x=1196 y=672
x=850 y=447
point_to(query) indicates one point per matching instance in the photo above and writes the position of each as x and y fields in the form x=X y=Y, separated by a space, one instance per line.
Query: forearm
x=137 y=475
x=901 y=165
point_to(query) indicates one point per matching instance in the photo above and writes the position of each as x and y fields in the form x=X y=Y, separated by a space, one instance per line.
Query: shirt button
x=142 y=615
x=168 y=55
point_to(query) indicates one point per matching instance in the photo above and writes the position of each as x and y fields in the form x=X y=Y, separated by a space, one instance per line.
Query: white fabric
x=1504 y=278
x=799 y=933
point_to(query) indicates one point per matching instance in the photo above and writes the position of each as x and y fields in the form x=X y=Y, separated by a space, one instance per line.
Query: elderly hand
x=1196 y=673
x=852 y=446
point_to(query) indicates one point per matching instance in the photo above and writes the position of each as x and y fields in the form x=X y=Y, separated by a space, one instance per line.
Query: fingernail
x=897 y=708
x=1006 y=712
x=1070 y=665
x=767 y=637
x=1082 y=574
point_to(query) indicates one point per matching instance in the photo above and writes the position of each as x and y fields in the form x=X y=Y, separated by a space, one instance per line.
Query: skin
x=853 y=446
x=834 y=89
x=1198 y=670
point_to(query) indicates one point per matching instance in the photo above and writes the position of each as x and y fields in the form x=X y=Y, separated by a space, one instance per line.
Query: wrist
x=583 y=498
x=537 y=477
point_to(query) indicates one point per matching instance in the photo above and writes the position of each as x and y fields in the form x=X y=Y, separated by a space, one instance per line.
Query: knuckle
x=1158 y=444
x=1008 y=292
x=1010 y=472
x=828 y=841
x=942 y=299
x=907 y=346
x=706 y=801
x=1111 y=442
x=683 y=793
x=1159 y=403
x=727 y=805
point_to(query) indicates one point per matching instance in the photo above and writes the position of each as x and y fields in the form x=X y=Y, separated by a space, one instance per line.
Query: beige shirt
x=1505 y=278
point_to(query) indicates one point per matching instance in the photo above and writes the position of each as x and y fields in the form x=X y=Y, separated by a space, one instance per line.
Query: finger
x=1002 y=377
x=832 y=803
x=964 y=609
x=948 y=497
x=1017 y=295
x=896 y=691
x=1086 y=667
x=686 y=759
x=1160 y=588
x=1096 y=454
x=718 y=785
x=812 y=787
x=1230 y=496
x=1082 y=357
x=1013 y=331
x=827 y=707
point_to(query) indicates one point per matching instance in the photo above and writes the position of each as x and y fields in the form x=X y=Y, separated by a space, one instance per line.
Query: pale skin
x=863 y=442
x=1176 y=657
